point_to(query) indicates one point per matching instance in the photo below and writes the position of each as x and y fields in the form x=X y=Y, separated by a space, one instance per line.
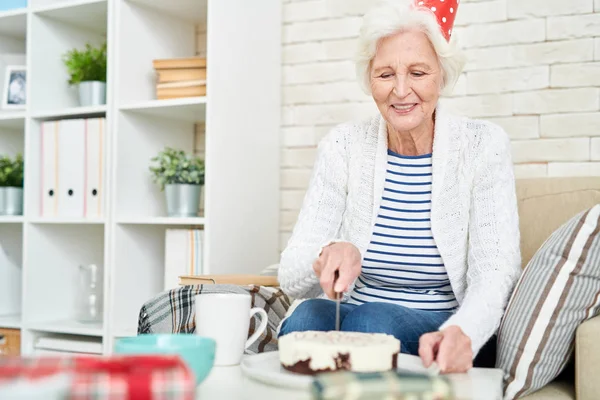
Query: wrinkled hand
x=342 y=257
x=450 y=348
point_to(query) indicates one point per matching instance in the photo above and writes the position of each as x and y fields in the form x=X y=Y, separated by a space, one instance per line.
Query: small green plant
x=173 y=166
x=88 y=64
x=11 y=171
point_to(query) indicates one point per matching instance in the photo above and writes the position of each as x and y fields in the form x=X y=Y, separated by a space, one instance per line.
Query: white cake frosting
x=368 y=352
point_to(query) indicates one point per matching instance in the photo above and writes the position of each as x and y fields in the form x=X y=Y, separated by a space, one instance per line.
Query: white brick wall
x=533 y=68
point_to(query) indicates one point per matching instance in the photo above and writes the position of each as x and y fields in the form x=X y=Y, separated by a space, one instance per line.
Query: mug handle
x=261 y=327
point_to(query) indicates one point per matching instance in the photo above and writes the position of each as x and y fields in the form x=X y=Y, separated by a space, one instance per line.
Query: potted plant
x=87 y=71
x=181 y=177
x=11 y=185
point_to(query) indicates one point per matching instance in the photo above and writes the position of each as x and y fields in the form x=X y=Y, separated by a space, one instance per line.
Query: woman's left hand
x=450 y=348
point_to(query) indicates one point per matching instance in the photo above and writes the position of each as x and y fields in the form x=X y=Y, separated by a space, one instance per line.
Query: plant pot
x=92 y=93
x=183 y=200
x=11 y=201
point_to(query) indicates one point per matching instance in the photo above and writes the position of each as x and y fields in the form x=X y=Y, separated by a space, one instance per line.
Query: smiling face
x=406 y=80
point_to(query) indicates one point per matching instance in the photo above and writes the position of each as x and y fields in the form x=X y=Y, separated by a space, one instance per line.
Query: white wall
x=533 y=67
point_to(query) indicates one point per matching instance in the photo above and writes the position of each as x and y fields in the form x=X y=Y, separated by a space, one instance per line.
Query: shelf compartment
x=12 y=136
x=67 y=327
x=165 y=33
x=198 y=221
x=11 y=271
x=86 y=14
x=71 y=112
x=10 y=321
x=191 y=109
x=61 y=27
x=138 y=272
x=55 y=253
x=13 y=23
x=141 y=137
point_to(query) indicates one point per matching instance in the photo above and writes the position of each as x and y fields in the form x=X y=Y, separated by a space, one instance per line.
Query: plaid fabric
x=173 y=311
x=381 y=385
x=141 y=377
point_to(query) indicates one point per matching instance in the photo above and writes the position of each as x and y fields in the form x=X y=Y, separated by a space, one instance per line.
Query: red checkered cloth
x=152 y=377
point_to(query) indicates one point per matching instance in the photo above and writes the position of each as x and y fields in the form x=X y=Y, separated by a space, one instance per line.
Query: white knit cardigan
x=474 y=216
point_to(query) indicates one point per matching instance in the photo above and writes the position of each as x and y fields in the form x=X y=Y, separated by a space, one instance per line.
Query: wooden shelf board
x=191 y=109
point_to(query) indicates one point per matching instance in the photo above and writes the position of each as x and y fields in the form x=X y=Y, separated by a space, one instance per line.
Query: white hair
x=391 y=17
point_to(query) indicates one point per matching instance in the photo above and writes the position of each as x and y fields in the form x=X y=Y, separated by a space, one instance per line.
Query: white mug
x=225 y=317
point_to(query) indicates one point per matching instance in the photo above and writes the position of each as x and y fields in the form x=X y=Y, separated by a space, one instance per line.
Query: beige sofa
x=544 y=205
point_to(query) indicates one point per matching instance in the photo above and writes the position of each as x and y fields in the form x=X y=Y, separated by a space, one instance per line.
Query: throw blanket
x=173 y=311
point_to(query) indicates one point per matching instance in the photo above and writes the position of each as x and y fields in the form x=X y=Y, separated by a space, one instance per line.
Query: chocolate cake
x=312 y=352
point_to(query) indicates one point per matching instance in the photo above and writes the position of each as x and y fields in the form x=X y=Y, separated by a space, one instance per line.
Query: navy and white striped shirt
x=402 y=264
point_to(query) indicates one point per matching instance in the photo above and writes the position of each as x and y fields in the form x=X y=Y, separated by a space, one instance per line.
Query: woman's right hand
x=342 y=257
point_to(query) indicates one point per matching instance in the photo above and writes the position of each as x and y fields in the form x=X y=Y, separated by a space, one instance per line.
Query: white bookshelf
x=240 y=114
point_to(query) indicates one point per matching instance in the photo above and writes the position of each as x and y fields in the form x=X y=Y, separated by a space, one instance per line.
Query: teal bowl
x=197 y=351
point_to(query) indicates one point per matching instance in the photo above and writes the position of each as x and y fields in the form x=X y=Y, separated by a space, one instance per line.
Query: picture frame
x=14 y=93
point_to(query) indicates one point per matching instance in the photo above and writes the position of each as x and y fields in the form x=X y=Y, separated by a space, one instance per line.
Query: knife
x=338 y=297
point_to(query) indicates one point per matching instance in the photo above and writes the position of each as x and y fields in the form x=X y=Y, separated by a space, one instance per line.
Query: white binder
x=71 y=163
x=94 y=167
x=49 y=170
x=183 y=255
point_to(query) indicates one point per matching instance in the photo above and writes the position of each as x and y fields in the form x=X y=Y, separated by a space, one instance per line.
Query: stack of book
x=180 y=77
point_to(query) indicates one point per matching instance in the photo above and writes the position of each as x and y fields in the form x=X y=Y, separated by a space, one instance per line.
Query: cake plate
x=478 y=383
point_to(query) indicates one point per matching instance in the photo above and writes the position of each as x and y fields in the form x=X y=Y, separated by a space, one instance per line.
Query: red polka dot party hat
x=445 y=12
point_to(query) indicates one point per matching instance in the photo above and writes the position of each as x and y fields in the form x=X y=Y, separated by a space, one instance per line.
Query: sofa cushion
x=558 y=290
x=547 y=203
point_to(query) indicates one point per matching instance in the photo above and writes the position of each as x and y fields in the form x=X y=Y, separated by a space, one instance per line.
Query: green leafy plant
x=88 y=64
x=11 y=171
x=173 y=166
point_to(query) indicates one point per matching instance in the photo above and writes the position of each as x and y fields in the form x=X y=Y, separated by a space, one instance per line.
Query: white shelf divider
x=10 y=321
x=162 y=221
x=70 y=112
x=67 y=221
x=11 y=219
x=191 y=109
x=68 y=327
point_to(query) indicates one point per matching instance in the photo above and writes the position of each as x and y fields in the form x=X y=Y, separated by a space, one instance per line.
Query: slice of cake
x=311 y=352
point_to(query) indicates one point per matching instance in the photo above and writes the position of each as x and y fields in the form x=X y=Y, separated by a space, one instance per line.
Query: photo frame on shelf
x=14 y=94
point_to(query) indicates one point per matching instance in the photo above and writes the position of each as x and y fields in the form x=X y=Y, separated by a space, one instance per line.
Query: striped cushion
x=559 y=289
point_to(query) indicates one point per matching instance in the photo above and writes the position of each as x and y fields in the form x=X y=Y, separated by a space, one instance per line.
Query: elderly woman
x=413 y=210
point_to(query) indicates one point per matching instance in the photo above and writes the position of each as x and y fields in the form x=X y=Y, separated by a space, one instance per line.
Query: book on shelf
x=183 y=90
x=180 y=75
x=229 y=279
x=72 y=168
x=183 y=254
x=181 y=62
